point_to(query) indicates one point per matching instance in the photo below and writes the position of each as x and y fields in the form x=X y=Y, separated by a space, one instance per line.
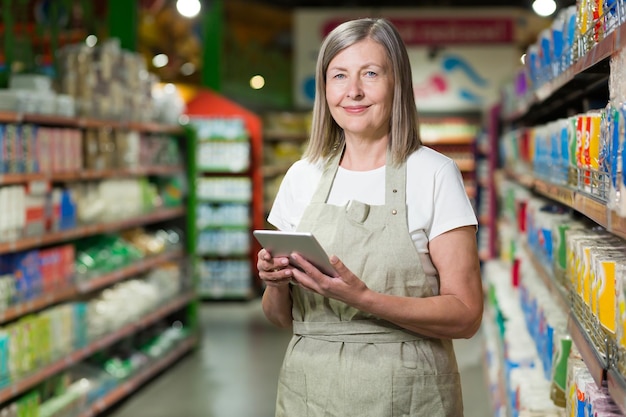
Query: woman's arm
x=455 y=313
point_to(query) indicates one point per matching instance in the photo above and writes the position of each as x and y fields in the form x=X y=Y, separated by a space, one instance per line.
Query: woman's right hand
x=274 y=272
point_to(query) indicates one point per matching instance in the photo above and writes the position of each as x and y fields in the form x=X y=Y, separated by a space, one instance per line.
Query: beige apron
x=342 y=362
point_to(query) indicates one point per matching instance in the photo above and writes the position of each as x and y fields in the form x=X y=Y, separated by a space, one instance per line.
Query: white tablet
x=280 y=243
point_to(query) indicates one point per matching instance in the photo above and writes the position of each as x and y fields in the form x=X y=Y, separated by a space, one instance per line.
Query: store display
x=223 y=212
x=91 y=236
x=562 y=160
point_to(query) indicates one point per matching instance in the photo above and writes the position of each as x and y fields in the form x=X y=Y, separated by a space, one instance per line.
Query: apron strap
x=395 y=184
x=355 y=331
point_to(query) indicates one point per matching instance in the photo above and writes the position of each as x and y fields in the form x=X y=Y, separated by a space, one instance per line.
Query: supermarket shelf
x=558 y=193
x=582 y=203
x=70 y=292
x=7 y=179
x=595 y=363
x=90 y=230
x=36 y=304
x=449 y=140
x=126 y=272
x=244 y=294
x=26 y=383
x=599 y=53
x=465 y=165
x=558 y=293
x=86 y=122
x=275 y=170
x=128 y=387
x=617 y=389
x=277 y=136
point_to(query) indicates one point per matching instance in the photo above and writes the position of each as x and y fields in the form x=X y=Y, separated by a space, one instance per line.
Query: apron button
x=394 y=212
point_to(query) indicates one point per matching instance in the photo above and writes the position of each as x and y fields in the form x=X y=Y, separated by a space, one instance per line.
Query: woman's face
x=359 y=90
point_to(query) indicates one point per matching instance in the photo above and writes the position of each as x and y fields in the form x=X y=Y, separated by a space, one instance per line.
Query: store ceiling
x=526 y=4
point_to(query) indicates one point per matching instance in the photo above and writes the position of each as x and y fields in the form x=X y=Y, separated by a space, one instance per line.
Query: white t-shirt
x=435 y=196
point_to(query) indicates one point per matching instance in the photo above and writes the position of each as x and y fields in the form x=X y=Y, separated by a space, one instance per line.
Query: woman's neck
x=364 y=155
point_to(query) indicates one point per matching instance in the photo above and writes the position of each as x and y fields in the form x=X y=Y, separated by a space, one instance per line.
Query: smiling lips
x=355 y=109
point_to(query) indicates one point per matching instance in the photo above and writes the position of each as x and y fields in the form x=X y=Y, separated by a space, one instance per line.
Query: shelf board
x=90 y=230
x=24 y=384
x=547 y=277
x=127 y=271
x=275 y=170
x=450 y=140
x=87 y=122
x=92 y=174
x=128 y=387
x=278 y=136
x=466 y=165
x=595 y=363
x=64 y=294
x=582 y=203
x=617 y=389
x=15 y=311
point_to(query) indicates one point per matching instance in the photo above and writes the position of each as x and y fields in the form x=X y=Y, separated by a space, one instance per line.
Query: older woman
x=375 y=338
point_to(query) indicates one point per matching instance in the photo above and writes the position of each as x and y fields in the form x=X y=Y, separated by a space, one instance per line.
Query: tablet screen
x=280 y=243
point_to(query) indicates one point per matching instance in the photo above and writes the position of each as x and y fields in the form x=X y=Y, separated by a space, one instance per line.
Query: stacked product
x=74 y=391
x=571 y=36
x=586 y=264
x=223 y=214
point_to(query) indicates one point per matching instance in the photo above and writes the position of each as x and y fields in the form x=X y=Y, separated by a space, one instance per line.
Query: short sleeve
x=451 y=205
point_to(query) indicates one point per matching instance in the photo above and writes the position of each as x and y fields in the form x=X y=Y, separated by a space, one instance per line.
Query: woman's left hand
x=344 y=286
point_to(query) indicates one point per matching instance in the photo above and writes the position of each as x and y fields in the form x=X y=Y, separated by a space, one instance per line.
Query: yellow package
x=606 y=267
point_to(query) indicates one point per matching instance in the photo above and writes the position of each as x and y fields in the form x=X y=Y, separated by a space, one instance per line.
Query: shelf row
x=603 y=50
x=86 y=175
x=128 y=387
x=85 y=123
x=598 y=364
x=24 y=384
x=90 y=230
x=587 y=205
x=65 y=294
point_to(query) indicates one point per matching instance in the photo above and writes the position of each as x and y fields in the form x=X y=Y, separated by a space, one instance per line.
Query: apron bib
x=342 y=362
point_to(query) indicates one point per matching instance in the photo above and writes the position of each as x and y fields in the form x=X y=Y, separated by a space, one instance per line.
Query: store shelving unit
x=588 y=77
x=222 y=245
x=183 y=303
x=455 y=136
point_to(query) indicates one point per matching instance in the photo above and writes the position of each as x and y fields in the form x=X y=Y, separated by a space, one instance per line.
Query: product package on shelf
x=223 y=214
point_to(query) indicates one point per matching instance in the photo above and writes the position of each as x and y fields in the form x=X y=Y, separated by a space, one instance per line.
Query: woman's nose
x=355 y=90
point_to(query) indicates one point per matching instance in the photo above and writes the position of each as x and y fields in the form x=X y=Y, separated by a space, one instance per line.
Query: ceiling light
x=188 y=8
x=160 y=60
x=257 y=82
x=544 y=7
x=91 y=41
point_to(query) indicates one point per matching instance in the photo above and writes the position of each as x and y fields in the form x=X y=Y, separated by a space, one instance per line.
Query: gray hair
x=326 y=136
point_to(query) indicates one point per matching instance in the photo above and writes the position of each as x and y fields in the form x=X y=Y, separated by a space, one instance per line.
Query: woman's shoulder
x=304 y=167
x=427 y=160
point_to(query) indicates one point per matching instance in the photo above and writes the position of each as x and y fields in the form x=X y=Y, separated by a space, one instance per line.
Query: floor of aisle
x=234 y=371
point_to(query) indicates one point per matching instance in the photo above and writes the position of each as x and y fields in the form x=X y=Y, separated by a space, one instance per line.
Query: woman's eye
x=339 y=76
x=370 y=74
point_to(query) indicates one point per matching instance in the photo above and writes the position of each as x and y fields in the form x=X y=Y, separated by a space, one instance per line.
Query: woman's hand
x=344 y=286
x=274 y=272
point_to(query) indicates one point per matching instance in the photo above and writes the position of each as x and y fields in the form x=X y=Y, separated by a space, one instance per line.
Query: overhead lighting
x=257 y=82
x=160 y=60
x=91 y=41
x=187 y=68
x=523 y=59
x=544 y=7
x=188 y=8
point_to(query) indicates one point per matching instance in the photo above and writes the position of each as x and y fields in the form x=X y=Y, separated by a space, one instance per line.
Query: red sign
x=448 y=30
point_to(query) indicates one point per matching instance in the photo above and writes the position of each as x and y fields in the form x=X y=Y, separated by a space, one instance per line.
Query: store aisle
x=234 y=372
